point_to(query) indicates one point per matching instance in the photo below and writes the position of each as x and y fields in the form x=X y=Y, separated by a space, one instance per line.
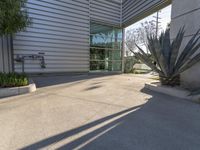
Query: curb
x=173 y=91
x=7 y=92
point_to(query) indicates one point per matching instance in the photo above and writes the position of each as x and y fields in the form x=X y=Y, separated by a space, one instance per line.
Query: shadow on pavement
x=162 y=123
x=51 y=80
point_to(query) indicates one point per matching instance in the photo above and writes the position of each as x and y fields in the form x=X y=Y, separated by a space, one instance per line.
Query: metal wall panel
x=134 y=10
x=60 y=29
x=5 y=54
x=106 y=11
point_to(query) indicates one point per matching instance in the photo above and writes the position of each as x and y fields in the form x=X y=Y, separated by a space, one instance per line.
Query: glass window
x=105 y=48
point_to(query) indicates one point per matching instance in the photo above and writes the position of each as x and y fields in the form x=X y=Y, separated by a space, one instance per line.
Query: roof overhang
x=135 y=10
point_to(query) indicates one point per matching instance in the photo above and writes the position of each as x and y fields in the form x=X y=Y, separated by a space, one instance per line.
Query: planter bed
x=6 y=92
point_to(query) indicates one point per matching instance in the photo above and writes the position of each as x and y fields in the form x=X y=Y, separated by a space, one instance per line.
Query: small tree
x=139 y=35
x=13 y=16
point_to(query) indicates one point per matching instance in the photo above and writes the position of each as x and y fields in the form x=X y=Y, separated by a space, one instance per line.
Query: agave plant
x=169 y=60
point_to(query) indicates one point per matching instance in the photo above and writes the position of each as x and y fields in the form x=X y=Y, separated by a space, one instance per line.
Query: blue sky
x=165 y=14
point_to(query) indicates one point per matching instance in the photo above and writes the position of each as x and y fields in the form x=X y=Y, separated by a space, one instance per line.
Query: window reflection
x=105 y=48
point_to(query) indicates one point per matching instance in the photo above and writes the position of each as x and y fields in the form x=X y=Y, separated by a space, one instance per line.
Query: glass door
x=105 y=48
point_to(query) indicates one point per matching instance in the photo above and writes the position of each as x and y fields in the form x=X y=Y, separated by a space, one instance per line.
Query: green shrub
x=13 y=80
x=129 y=62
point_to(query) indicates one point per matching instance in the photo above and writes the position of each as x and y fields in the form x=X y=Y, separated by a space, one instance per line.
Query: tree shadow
x=93 y=87
x=64 y=135
x=163 y=122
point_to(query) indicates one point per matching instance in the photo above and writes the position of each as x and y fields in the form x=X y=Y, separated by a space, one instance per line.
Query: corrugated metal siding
x=134 y=10
x=106 y=11
x=5 y=54
x=60 y=29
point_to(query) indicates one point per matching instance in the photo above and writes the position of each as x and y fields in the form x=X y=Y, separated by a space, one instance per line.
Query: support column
x=123 y=49
x=187 y=12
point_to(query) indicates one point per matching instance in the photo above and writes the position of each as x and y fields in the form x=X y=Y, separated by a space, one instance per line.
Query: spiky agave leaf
x=148 y=62
x=189 y=50
x=145 y=59
x=152 y=50
x=165 y=53
x=156 y=49
x=189 y=64
x=161 y=59
x=175 y=46
x=165 y=44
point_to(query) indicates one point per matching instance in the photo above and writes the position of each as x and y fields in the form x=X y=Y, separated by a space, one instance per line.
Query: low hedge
x=13 y=80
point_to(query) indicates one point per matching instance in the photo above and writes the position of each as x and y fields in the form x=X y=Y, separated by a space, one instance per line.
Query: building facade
x=87 y=35
x=73 y=35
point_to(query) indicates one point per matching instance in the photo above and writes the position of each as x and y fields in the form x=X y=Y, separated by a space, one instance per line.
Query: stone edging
x=173 y=91
x=6 y=92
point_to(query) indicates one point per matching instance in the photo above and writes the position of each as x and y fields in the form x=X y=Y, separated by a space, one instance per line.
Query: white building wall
x=60 y=29
x=187 y=12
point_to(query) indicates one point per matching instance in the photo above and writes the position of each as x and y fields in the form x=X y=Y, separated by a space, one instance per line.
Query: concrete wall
x=187 y=12
x=5 y=54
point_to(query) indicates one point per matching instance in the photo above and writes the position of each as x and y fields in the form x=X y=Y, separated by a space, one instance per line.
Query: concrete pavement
x=94 y=112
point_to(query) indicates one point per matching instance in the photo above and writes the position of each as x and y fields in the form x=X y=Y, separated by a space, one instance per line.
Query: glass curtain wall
x=105 y=48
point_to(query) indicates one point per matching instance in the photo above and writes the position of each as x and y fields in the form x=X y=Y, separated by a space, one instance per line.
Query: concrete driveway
x=98 y=113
